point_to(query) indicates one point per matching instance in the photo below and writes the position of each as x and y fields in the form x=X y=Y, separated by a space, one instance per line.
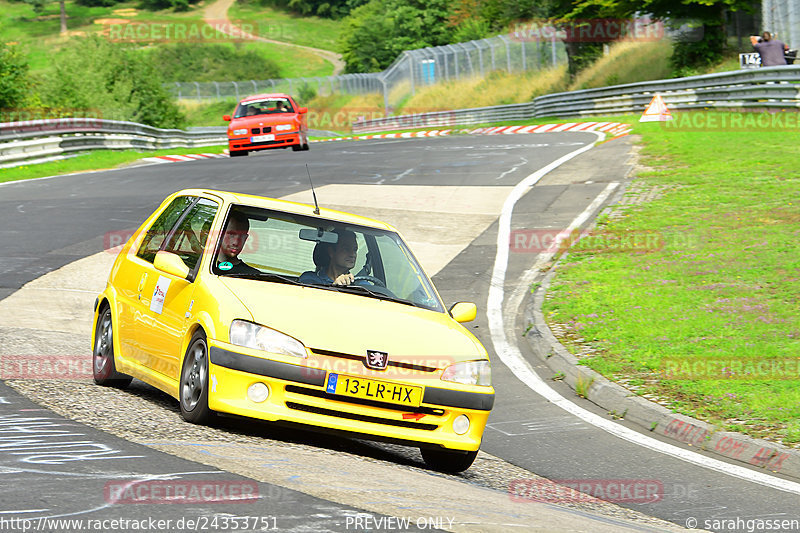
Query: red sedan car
x=267 y=121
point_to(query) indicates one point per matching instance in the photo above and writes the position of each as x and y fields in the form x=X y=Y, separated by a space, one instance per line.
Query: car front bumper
x=297 y=394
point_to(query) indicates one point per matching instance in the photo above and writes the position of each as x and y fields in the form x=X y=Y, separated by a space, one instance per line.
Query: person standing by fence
x=771 y=50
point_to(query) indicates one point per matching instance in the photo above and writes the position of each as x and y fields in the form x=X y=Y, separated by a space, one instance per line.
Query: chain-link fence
x=411 y=70
x=782 y=18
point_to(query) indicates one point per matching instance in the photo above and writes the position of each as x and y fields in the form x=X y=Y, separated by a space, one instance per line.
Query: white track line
x=511 y=356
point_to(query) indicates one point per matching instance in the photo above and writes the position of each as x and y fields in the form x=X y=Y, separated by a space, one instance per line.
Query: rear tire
x=448 y=461
x=104 y=370
x=194 y=382
x=305 y=147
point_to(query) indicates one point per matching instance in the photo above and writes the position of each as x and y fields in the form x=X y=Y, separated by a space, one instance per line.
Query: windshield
x=269 y=106
x=279 y=247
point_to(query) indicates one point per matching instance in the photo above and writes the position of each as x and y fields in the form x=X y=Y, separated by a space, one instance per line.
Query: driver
x=236 y=234
x=333 y=261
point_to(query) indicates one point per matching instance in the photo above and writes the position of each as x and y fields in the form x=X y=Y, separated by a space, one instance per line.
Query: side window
x=160 y=229
x=191 y=235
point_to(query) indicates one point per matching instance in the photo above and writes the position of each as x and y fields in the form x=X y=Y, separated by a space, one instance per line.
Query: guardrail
x=38 y=141
x=764 y=88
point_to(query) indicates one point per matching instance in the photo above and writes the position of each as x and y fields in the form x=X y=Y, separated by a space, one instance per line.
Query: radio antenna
x=316 y=211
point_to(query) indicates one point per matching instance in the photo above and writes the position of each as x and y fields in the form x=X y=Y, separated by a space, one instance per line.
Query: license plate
x=262 y=138
x=371 y=389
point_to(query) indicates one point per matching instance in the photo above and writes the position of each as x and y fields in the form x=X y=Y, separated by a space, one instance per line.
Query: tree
x=38 y=7
x=708 y=15
x=377 y=32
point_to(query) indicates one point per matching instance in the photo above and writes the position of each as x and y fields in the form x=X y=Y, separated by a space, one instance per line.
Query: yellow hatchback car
x=289 y=313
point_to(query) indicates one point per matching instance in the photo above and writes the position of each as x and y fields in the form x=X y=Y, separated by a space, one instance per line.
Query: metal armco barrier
x=48 y=139
x=764 y=88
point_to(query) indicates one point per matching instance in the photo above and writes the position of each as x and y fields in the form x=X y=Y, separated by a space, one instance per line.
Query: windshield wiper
x=266 y=276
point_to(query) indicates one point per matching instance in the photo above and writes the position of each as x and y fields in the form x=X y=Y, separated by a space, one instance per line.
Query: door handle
x=141 y=283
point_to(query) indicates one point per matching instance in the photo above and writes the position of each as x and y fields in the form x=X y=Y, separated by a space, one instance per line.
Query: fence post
x=524 y=62
x=491 y=50
x=236 y=89
x=179 y=89
x=255 y=87
x=385 y=98
x=216 y=86
x=508 y=53
x=553 y=48
x=411 y=71
x=197 y=87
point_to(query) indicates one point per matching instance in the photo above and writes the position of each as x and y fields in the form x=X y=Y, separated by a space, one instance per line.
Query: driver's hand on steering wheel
x=344 y=279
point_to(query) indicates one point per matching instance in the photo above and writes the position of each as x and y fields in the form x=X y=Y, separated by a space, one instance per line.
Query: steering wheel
x=371 y=279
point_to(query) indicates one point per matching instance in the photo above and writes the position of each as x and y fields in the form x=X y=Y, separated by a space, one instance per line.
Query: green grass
x=725 y=284
x=96 y=160
x=39 y=34
x=281 y=26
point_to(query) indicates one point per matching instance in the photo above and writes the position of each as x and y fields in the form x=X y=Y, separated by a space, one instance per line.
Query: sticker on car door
x=159 y=294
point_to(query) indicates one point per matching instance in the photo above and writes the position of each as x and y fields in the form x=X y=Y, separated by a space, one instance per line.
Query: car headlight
x=249 y=335
x=283 y=127
x=240 y=132
x=469 y=373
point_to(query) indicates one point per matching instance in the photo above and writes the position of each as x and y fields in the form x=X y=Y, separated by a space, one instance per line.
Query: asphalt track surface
x=48 y=223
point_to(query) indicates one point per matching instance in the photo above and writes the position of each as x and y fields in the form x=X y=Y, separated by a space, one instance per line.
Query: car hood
x=352 y=324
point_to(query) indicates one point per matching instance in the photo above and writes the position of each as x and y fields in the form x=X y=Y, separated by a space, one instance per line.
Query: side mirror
x=171 y=264
x=302 y=110
x=226 y=118
x=462 y=311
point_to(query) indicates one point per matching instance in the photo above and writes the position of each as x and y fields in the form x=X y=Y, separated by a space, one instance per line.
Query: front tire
x=448 y=461
x=104 y=370
x=194 y=382
x=238 y=153
x=296 y=148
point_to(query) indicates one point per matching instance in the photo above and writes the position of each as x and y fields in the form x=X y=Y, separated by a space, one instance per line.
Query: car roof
x=287 y=206
x=264 y=96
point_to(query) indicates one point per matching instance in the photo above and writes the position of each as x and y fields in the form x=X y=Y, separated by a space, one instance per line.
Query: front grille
x=363 y=359
x=361 y=418
x=316 y=393
x=256 y=130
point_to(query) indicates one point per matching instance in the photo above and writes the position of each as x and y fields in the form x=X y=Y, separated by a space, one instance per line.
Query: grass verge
x=96 y=160
x=706 y=319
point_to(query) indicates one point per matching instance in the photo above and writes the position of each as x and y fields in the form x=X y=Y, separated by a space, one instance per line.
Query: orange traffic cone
x=656 y=111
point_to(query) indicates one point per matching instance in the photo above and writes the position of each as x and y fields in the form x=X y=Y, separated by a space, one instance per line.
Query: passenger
x=333 y=261
x=236 y=234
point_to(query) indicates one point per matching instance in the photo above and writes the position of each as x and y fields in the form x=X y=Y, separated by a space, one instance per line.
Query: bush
x=305 y=93
x=94 y=76
x=212 y=62
x=14 y=81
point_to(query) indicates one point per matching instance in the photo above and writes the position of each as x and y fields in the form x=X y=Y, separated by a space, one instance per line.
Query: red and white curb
x=178 y=158
x=615 y=129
